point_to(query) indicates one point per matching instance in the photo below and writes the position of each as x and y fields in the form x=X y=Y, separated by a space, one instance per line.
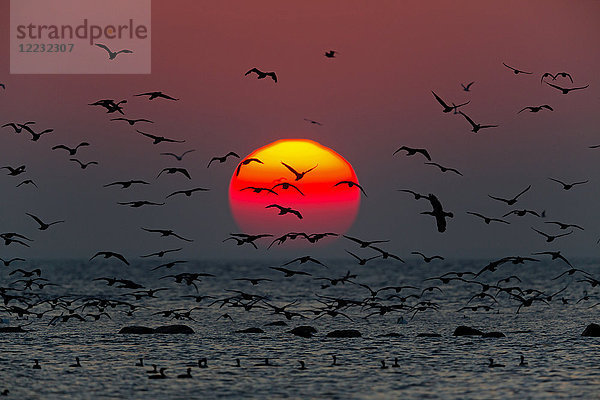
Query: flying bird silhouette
x=132 y=121
x=127 y=184
x=351 y=184
x=34 y=135
x=113 y=54
x=534 y=109
x=159 y=139
x=299 y=175
x=331 y=53
x=246 y=162
x=444 y=169
x=43 y=226
x=447 y=108
x=83 y=165
x=468 y=87
x=563 y=74
x=566 y=90
x=286 y=186
x=476 y=127
x=222 y=159
x=72 y=151
x=27 y=182
x=177 y=157
x=259 y=190
x=551 y=238
x=438 y=212
x=109 y=254
x=412 y=151
x=166 y=232
x=487 y=220
x=512 y=201
x=517 y=71
x=569 y=186
x=285 y=210
x=18 y=127
x=188 y=192
x=155 y=95
x=313 y=122
x=261 y=75
x=171 y=170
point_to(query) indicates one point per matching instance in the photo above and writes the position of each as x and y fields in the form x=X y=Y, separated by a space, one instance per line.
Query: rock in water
x=344 y=333
x=304 y=331
x=137 y=330
x=250 y=330
x=174 y=329
x=493 y=334
x=467 y=331
x=12 y=329
x=592 y=330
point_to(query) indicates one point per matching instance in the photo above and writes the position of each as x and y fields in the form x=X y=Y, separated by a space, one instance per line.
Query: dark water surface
x=562 y=363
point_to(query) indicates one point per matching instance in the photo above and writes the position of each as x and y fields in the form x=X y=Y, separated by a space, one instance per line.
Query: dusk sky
x=372 y=98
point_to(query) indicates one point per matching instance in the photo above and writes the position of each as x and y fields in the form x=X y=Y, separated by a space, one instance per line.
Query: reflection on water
x=561 y=362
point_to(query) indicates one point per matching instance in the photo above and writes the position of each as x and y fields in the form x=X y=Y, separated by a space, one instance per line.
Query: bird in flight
x=304 y=259
x=447 y=108
x=3 y=86
x=476 y=127
x=487 y=220
x=364 y=243
x=313 y=122
x=109 y=254
x=512 y=201
x=132 y=121
x=154 y=95
x=286 y=186
x=16 y=126
x=27 y=182
x=426 y=258
x=82 y=164
x=285 y=210
x=43 y=225
x=110 y=105
x=468 y=87
x=14 y=171
x=299 y=175
x=188 y=192
x=534 y=109
x=550 y=238
x=246 y=162
x=161 y=253
x=126 y=184
x=562 y=225
x=159 y=139
x=350 y=185
x=72 y=151
x=563 y=74
x=569 y=186
x=289 y=272
x=173 y=170
x=113 y=54
x=362 y=261
x=566 y=90
x=140 y=203
x=177 y=157
x=223 y=159
x=417 y=196
x=261 y=75
x=438 y=212
x=331 y=53
x=444 y=169
x=259 y=190
x=166 y=232
x=36 y=136
x=412 y=151
x=517 y=71
x=522 y=213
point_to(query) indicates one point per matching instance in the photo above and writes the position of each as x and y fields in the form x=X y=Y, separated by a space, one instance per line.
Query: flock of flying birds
x=23 y=294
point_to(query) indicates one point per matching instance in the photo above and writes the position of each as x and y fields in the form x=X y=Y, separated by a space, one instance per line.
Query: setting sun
x=265 y=177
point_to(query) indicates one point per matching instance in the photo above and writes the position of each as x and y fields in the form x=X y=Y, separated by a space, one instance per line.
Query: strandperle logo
x=80 y=37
